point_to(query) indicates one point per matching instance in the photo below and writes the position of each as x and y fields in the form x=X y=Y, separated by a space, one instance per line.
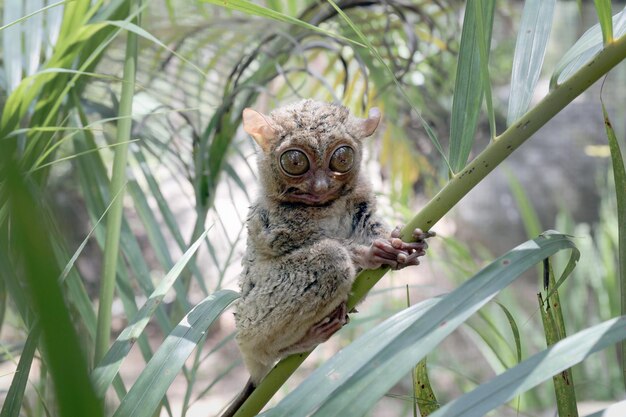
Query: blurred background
x=190 y=168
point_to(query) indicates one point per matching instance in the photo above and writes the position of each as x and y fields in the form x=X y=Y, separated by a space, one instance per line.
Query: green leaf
x=108 y=367
x=468 y=88
x=603 y=8
x=530 y=49
x=28 y=16
x=587 y=47
x=147 y=392
x=39 y=272
x=536 y=369
x=619 y=174
x=254 y=9
x=133 y=28
x=351 y=382
x=514 y=330
x=374 y=51
x=13 y=399
x=12 y=50
x=424 y=394
x=530 y=218
x=554 y=329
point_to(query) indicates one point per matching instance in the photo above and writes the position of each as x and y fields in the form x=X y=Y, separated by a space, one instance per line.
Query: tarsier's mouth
x=297 y=196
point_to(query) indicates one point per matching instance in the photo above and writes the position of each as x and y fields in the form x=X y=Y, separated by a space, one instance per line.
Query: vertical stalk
x=114 y=219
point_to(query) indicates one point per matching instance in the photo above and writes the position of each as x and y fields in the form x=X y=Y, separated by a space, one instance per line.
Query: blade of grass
x=112 y=360
x=554 y=330
x=469 y=83
x=28 y=16
x=603 y=9
x=530 y=50
x=536 y=369
x=619 y=174
x=530 y=219
x=166 y=212
x=514 y=330
x=586 y=48
x=254 y=9
x=33 y=35
x=114 y=219
x=40 y=274
x=483 y=47
x=11 y=42
x=13 y=400
x=424 y=394
x=431 y=134
x=146 y=393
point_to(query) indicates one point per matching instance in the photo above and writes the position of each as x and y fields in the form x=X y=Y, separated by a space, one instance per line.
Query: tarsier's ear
x=258 y=126
x=369 y=125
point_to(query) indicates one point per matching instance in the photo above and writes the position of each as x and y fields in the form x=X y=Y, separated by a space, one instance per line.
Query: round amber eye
x=294 y=162
x=342 y=159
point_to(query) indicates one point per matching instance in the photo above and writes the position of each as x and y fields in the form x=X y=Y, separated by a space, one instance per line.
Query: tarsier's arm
x=373 y=245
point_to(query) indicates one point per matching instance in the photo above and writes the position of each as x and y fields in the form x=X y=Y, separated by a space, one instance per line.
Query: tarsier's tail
x=248 y=389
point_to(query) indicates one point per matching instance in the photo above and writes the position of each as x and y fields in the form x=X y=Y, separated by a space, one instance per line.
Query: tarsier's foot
x=398 y=254
x=321 y=331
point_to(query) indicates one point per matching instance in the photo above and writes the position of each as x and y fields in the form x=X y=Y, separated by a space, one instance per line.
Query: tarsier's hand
x=396 y=253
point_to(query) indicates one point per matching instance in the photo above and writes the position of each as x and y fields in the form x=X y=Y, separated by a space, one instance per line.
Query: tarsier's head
x=311 y=151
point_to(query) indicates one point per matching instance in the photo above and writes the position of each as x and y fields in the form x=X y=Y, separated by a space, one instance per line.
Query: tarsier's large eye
x=342 y=159
x=294 y=162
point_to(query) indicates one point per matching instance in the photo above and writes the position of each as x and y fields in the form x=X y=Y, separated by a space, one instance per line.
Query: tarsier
x=313 y=228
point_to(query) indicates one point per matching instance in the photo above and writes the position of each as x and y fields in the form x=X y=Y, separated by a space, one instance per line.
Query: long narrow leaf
x=40 y=274
x=530 y=49
x=254 y=9
x=536 y=369
x=104 y=373
x=374 y=51
x=619 y=174
x=13 y=399
x=468 y=89
x=145 y=395
x=353 y=380
x=603 y=8
x=587 y=47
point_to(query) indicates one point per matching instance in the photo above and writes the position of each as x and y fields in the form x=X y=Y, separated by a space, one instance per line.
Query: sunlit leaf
x=588 y=46
x=535 y=370
x=530 y=49
x=13 y=400
x=148 y=390
x=468 y=89
x=603 y=8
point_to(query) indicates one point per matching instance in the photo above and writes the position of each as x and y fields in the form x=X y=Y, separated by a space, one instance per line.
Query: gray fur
x=301 y=259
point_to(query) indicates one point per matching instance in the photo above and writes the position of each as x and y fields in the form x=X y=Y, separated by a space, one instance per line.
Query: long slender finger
x=381 y=253
x=418 y=234
x=392 y=247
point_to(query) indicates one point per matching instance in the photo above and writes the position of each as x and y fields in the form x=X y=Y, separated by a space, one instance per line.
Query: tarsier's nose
x=320 y=183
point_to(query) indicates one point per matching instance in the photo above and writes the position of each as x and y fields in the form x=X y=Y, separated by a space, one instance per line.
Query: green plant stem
x=118 y=178
x=454 y=191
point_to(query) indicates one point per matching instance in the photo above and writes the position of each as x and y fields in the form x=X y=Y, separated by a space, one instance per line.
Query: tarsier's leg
x=321 y=331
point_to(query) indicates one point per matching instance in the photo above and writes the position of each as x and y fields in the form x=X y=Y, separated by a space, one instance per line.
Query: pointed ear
x=258 y=126
x=369 y=125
